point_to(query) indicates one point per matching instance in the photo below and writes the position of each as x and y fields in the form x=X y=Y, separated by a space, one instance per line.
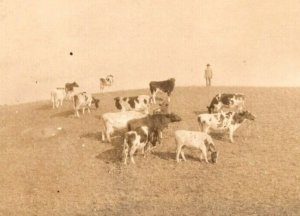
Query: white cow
x=196 y=140
x=57 y=97
x=117 y=120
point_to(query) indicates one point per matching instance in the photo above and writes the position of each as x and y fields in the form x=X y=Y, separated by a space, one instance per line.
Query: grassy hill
x=71 y=172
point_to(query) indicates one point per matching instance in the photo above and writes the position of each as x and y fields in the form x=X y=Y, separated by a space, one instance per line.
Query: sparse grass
x=74 y=173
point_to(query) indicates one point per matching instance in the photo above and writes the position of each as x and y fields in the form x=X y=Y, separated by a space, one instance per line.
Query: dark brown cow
x=166 y=86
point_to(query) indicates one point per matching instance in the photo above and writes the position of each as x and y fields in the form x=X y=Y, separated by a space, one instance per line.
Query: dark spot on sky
x=36 y=82
x=71 y=53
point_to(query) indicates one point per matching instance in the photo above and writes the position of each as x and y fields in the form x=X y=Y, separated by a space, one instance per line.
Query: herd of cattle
x=144 y=130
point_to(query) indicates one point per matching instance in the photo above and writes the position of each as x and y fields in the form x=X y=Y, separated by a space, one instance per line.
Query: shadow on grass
x=64 y=114
x=172 y=156
x=113 y=155
x=197 y=112
x=45 y=107
x=221 y=136
x=94 y=136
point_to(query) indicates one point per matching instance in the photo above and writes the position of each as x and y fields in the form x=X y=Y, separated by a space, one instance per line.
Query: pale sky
x=247 y=42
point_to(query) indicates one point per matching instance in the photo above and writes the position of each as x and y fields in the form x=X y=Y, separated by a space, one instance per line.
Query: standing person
x=208 y=75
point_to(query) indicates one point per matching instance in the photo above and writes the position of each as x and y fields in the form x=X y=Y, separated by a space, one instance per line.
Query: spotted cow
x=224 y=121
x=137 y=103
x=227 y=100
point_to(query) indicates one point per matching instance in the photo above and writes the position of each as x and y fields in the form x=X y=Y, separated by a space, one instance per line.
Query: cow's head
x=214 y=156
x=96 y=102
x=247 y=115
x=243 y=115
x=174 y=117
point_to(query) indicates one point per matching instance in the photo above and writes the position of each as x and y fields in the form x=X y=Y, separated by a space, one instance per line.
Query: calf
x=140 y=138
x=196 y=140
x=166 y=86
x=117 y=120
x=57 y=97
x=84 y=101
x=227 y=100
x=108 y=81
x=137 y=103
x=157 y=122
x=228 y=121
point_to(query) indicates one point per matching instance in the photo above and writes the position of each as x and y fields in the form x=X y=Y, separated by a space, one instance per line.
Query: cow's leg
x=178 y=151
x=231 y=130
x=109 y=131
x=125 y=152
x=201 y=155
x=57 y=103
x=131 y=153
x=83 y=109
x=76 y=113
x=103 y=135
x=182 y=155
x=160 y=136
x=205 y=156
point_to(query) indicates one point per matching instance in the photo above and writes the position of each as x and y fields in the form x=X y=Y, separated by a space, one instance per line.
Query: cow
x=137 y=103
x=116 y=121
x=195 y=140
x=69 y=88
x=140 y=138
x=157 y=122
x=224 y=121
x=227 y=100
x=84 y=101
x=57 y=97
x=166 y=86
x=108 y=81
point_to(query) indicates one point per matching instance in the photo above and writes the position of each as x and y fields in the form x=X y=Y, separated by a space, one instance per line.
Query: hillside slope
x=74 y=173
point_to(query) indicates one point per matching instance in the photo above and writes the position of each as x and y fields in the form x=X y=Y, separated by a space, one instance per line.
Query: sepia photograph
x=149 y=107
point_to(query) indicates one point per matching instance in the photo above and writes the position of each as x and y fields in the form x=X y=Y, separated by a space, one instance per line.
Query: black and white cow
x=227 y=100
x=139 y=138
x=224 y=121
x=137 y=103
x=108 y=81
x=84 y=101
x=166 y=86
x=156 y=122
